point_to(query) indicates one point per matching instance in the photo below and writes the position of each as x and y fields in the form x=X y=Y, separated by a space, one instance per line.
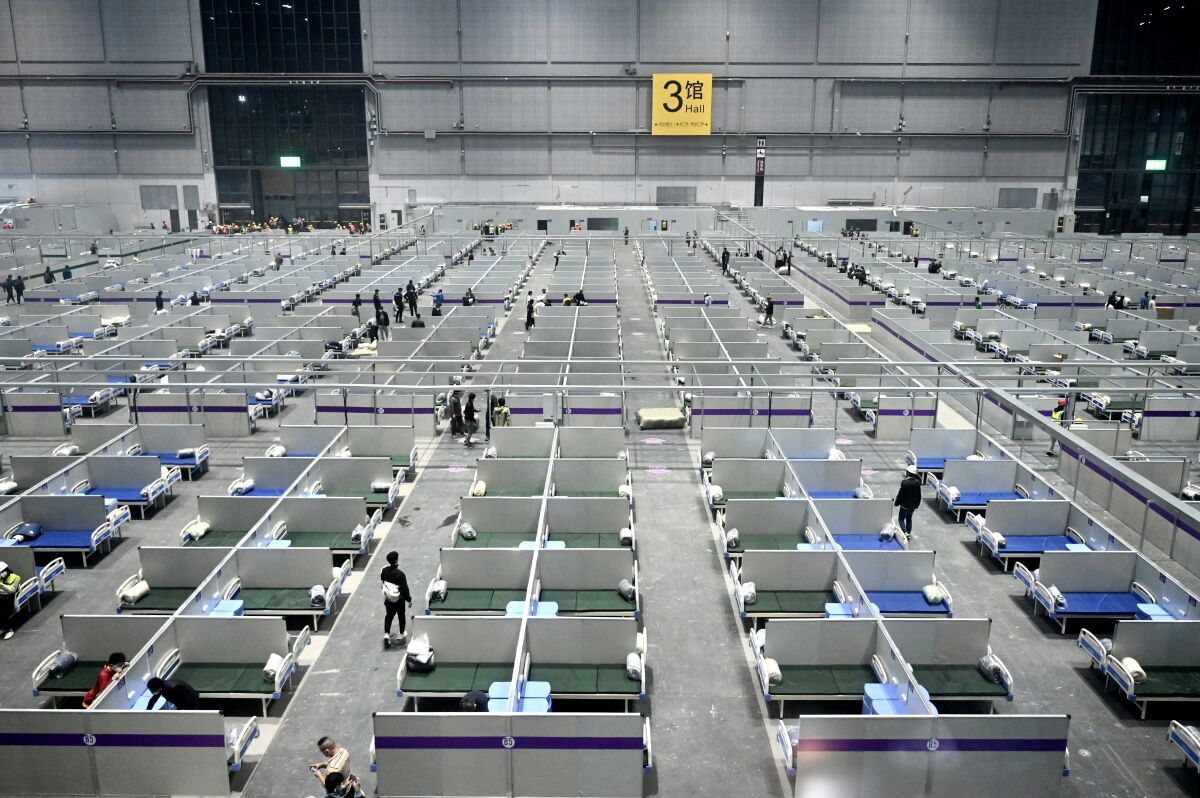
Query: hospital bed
x=227 y=680
x=1187 y=739
x=976 y=497
x=1149 y=660
x=1022 y=532
x=34 y=580
x=782 y=602
x=471 y=654
x=84 y=542
x=585 y=659
x=285 y=601
x=894 y=540
x=945 y=656
x=90 y=403
x=191 y=462
x=813 y=682
x=1086 y=604
x=268 y=401
x=149 y=496
x=353 y=542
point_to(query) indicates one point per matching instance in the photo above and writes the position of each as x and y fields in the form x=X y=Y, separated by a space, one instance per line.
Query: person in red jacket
x=111 y=670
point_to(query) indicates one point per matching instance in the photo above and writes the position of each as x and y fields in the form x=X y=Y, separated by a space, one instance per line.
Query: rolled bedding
x=467 y=532
x=241 y=486
x=733 y=539
x=381 y=485
x=933 y=594
x=276 y=450
x=197 y=529
x=989 y=665
x=358 y=533
x=62 y=664
x=26 y=532
x=185 y=452
x=625 y=536
x=272 y=668
x=626 y=590
x=1134 y=668
x=439 y=590
x=316 y=596
x=7 y=486
x=772 y=671
x=1056 y=595
x=135 y=593
x=633 y=666
x=716 y=494
x=749 y=592
x=479 y=488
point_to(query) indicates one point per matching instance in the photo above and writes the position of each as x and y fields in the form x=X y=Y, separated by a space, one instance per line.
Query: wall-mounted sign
x=682 y=104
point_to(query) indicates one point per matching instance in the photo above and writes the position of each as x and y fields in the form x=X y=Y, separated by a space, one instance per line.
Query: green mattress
x=1179 y=680
x=493 y=540
x=77 y=680
x=401 y=461
x=588 y=600
x=163 y=599
x=457 y=677
x=371 y=497
x=336 y=541
x=783 y=601
x=588 y=540
x=956 y=680
x=224 y=677
x=823 y=680
x=275 y=599
x=767 y=543
x=585 y=679
x=752 y=494
x=468 y=599
x=570 y=493
x=214 y=540
x=514 y=494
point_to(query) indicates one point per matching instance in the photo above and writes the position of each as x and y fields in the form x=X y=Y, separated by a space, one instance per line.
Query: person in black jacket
x=48 y=276
x=410 y=293
x=395 y=597
x=908 y=498
x=158 y=301
x=176 y=691
x=724 y=260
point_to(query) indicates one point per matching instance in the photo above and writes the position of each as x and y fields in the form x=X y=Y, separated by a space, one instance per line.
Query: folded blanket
x=633 y=666
x=733 y=537
x=749 y=592
x=271 y=669
x=467 y=532
x=27 y=532
x=381 y=485
x=760 y=639
x=419 y=655
x=63 y=662
x=773 y=672
x=197 y=529
x=1059 y=599
x=933 y=594
x=138 y=591
x=316 y=596
x=241 y=486
x=1134 y=668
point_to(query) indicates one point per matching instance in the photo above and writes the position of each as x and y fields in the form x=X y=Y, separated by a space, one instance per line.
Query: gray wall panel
x=1037 y=32
x=67 y=106
x=591 y=31
x=1026 y=158
x=942 y=158
x=951 y=31
x=158 y=155
x=147 y=30
x=429 y=106
x=679 y=158
x=406 y=31
x=773 y=31
x=73 y=155
x=580 y=106
x=11 y=114
x=1029 y=109
x=507 y=155
x=142 y=107
x=413 y=155
x=8 y=48
x=875 y=160
x=501 y=107
x=682 y=31
x=861 y=32
x=869 y=107
x=591 y=156
x=62 y=30
x=945 y=107
x=504 y=30
x=14 y=154
x=778 y=105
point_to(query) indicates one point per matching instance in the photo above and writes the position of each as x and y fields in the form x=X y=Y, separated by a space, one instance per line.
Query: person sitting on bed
x=177 y=692
x=110 y=671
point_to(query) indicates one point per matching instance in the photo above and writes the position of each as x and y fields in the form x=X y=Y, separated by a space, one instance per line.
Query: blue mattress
x=62 y=539
x=131 y=495
x=47 y=348
x=254 y=400
x=981 y=498
x=1123 y=603
x=909 y=602
x=1035 y=544
x=866 y=543
x=171 y=459
x=931 y=463
x=78 y=400
x=259 y=491
x=831 y=494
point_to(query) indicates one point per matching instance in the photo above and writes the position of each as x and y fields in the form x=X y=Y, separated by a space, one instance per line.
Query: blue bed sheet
x=866 y=543
x=981 y=498
x=171 y=459
x=1123 y=603
x=931 y=463
x=261 y=491
x=132 y=495
x=831 y=494
x=1035 y=544
x=910 y=602
x=62 y=539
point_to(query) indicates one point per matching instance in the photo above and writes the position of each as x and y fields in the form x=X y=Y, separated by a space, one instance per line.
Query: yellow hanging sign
x=682 y=104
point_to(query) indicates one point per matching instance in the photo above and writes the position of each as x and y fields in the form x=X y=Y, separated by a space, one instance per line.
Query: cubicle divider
x=33 y=412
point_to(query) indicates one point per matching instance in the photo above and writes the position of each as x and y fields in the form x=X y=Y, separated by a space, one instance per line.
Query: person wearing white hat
x=908 y=498
x=9 y=584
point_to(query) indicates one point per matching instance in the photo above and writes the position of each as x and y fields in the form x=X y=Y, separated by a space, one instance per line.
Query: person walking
x=10 y=583
x=410 y=293
x=8 y=290
x=769 y=312
x=626 y=236
x=48 y=277
x=908 y=499
x=19 y=288
x=395 y=597
x=356 y=307
x=383 y=323
x=1057 y=416
x=470 y=423
x=454 y=409
x=530 y=316
x=377 y=303
x=724 y=260
x=398 y=305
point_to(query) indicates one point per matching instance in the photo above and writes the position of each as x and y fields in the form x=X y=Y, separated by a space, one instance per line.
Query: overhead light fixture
x=241 y=98
x=1156 y=164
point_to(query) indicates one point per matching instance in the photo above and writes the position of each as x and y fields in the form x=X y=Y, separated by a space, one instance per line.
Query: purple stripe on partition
x=35 y=408
x=220 y=301
x=1173 y=260
x=1007 y=260
x=512 y=743
x=791 y=411
x=594 y=411
x=1170 y=413
x=857 y=745
x=406 y=411
x=526 y=411
x=901 y=412
x=165 y=408
x=61 y=739
x=222 y=409
x=1091 y=260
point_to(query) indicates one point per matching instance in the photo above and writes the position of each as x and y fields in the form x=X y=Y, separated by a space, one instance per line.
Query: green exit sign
x=1153 y=164
x=293 y=161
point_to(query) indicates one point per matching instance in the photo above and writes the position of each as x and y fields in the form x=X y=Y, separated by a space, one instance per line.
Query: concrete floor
x=710 y=730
